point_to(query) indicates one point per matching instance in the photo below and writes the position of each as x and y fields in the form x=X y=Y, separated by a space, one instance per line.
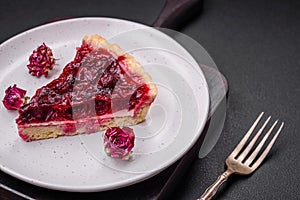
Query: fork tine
x=252 y=142
x=266 y=151
x=260 y=145
x=245 y=138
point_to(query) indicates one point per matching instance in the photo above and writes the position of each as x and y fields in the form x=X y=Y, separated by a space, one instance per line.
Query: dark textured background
x=256 y=45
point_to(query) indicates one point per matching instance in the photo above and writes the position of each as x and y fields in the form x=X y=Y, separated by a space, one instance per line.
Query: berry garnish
x=118 y=142
x=14 y=98
x=41 y=61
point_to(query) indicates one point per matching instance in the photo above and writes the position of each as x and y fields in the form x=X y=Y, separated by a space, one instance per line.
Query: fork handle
x=212 y=190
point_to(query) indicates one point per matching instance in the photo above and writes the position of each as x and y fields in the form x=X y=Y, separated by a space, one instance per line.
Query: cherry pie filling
x=95 y=83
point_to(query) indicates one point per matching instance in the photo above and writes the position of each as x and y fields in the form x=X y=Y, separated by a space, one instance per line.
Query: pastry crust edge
x=39 y=131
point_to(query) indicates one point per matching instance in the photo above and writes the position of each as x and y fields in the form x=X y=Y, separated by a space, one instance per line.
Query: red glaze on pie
x=102 y=87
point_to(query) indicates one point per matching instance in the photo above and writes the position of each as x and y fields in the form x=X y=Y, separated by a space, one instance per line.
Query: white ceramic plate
x=78 y=163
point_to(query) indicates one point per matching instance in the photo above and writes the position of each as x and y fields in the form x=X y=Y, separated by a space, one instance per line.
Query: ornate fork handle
x=234 y=161
x=211 y=190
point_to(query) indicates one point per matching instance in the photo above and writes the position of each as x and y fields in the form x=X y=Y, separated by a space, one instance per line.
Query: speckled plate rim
x=134 y=179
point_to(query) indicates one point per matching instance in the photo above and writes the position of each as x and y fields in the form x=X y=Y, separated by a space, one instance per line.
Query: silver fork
x=238 y=162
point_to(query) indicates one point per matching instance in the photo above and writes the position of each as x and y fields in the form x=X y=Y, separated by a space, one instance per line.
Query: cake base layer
x=38 y=131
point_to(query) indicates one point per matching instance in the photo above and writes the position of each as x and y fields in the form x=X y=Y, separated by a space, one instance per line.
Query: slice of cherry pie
x=102 y=87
